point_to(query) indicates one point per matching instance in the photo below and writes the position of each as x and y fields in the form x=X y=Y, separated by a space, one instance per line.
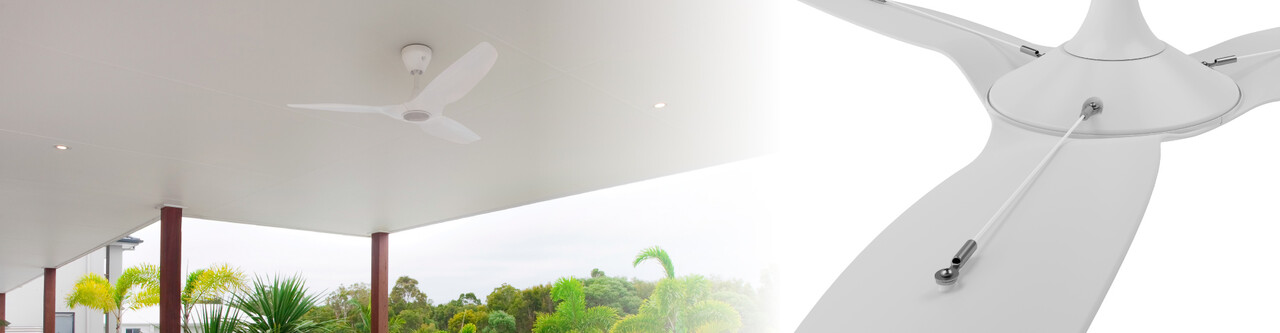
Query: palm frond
x=138 y=287
x=93 y=291
x=657 y=253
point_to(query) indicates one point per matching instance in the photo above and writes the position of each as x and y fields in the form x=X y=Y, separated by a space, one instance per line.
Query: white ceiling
x=182 y=103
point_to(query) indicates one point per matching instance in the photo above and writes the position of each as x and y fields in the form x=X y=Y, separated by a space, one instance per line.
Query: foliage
x=538 y=300
x=510 y=301
x=617 y=293
x=468 y=328
x=209 y=286
x=138 y=287
x=478 y=315
x=405 y=295
x=4 y=323
x=679 y=305
x=218 y=319
x=342 y=309
x=657 y=253
x=500 y=322
x=644 y=289
x=411 y=320
x=277 y=306
x=572 y=314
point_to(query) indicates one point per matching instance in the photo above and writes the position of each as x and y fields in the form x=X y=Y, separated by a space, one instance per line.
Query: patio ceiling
x=182 y=103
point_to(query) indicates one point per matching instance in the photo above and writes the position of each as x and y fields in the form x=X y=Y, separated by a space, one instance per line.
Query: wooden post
x=379 y=291
x=170 y=270
x=50 y=299
x=1 y=312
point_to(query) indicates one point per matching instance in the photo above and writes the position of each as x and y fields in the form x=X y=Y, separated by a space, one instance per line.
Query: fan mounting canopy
x=1149 y=87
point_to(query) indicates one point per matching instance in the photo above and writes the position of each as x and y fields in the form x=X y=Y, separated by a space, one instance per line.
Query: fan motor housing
x=416 y=116
x=1149 y=86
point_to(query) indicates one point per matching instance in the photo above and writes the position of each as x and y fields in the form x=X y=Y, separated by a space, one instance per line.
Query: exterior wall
x=144 y=328
x=26 y=303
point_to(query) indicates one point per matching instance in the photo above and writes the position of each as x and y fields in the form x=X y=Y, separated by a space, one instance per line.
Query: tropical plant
x=217 y=319
x=276 y=306
x=138 y=287
x=657 y=253
x=209 y=286
x=572 y=314
x=679 y=305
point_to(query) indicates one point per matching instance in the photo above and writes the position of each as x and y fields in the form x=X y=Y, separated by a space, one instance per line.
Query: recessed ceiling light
x=61 y=147
x=659 y=105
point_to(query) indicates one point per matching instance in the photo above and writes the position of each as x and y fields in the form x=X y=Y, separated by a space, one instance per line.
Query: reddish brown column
x=2 y=312
x=380 y=292
x=50 y=298
x=170 y=270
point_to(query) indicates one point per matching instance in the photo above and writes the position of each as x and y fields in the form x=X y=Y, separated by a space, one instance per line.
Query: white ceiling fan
x=1029 y=236
x=427 y=108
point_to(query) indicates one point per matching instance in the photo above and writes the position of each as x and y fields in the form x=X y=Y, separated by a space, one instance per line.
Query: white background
x=871 y=124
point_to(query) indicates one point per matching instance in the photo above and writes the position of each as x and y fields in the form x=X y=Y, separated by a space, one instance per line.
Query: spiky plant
x=218 y=319
x=277 y=306
x=138 y=287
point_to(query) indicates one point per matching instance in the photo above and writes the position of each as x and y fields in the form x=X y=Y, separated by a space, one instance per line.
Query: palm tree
x=656 y=253
x=679 y=305
x=572 y=315
x=138 y=287
x=276 y=306
x=209 y=286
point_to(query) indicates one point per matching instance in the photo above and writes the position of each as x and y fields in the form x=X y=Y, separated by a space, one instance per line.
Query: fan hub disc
x=416 y=116
x=1169 y=93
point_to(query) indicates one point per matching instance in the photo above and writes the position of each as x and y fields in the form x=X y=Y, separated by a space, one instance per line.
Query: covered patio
x=113 y=117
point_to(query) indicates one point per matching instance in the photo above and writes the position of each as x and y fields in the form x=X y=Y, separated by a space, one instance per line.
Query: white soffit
x=183 y=103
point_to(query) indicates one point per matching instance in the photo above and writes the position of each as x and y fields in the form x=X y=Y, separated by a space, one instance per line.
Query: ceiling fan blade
x=1045 y=269
x=449 y=129
x=457 y=80
x=981 y=59
x=341 y=108
x=1258 y=77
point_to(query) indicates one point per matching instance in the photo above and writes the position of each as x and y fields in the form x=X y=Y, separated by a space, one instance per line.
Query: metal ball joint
x=948 y=276
x=1091 y=107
